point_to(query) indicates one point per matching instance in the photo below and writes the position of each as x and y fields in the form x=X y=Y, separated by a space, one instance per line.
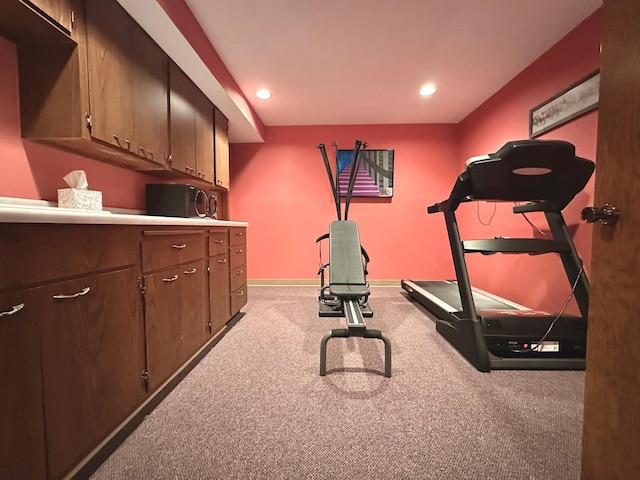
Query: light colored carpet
x=256 y=407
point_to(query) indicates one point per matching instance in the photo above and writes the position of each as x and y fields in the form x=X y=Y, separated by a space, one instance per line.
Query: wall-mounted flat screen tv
x=374 y=177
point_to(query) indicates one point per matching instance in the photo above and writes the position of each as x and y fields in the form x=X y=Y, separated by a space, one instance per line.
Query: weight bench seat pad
x=346 y=272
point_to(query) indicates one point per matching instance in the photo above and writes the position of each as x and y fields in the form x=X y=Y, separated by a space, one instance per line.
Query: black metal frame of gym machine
x=348 y=289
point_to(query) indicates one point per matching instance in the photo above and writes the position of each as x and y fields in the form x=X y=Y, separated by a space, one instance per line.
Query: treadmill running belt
x=448 y=293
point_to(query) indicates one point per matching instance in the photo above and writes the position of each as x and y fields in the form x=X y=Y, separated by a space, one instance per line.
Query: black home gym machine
x=489 y=331
x=347 y=293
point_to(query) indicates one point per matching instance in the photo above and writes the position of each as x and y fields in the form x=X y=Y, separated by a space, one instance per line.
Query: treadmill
x=489 y=331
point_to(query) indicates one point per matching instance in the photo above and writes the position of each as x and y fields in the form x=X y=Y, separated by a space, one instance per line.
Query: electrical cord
x=490 y=218
x=553 y=322
x=530 y=222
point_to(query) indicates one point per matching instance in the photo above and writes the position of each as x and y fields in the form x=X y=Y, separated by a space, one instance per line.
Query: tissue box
x=79 y=199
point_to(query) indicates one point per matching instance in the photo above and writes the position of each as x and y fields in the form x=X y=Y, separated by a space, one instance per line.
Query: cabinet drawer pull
x=190 y=272
x=239 y=250
x=201 y=174
x=14 y=309
x=169 y=280
x=239 y=272
x=82 y=292
x=218 y=241
x=146 y=153
x=240 y=293
x=224 y=260
x=239 y=234
x=179 y=247
x=120 y=139
x=188 y=168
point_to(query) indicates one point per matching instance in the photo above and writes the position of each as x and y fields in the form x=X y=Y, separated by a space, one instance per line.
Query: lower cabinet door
x=22 y=452
x=219 y=303
x=176 y=319
x=92 y=340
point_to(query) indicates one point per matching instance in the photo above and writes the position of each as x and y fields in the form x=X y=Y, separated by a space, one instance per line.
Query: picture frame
x=375 y=176
x=571 y=103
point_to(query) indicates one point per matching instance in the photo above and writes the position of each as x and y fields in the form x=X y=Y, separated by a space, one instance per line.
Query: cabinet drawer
x=238 y=278
x=238 y=299
x=237 y=235
x=34 y=254
x=162 y=249
x=218 y=242
x=237 y=256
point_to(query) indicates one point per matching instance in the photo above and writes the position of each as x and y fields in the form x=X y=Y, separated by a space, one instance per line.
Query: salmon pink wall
x=281 y=188
x=538 y=282
x=35 y=171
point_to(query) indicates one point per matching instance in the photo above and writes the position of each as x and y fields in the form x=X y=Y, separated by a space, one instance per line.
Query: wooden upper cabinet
x=204 y=138
x=60 y=11
x=128 y=83
x=182 y=122
x=221 y=150
x=191 y=128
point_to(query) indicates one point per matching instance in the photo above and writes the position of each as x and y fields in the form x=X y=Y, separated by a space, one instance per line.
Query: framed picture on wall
x=374 y=177
x=571 y=103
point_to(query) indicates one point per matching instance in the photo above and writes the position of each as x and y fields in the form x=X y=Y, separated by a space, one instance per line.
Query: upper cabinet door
x=221 y=150
x=111 y=73
x=183 y=147
x=128 y=83
x=151 y=90
x=60 y=11
x=204 y=138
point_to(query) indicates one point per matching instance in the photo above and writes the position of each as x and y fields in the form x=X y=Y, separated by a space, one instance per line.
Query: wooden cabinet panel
x=60 y=11
x=164 y=248
x=221 y=152
x=218 y=242
x=69 y=250
x=237 y=235
x=182 y=124
x=204 y=138
x=151 y=91
x=110 y=73
x=238 y=278
x=191 y=128
x=219 y=306
x=176 y=320
x=238 y=299
x=22 y=441
x=195 y=329
x=92 y=360
x=237 y=256
x=128 y=83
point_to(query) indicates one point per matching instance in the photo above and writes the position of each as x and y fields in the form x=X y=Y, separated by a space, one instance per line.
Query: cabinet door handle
x=188 y=168
x=218 y=241
x=240 y=293
x=146 y=153
x=224 y=260
x=201 y=174
x=239 y=272
x=239 y=234
x=14 y=309
x=179 y=247
x=120 y=139
x=190 y=272
x=239 y=250
x=169 y=280
x=82 y=292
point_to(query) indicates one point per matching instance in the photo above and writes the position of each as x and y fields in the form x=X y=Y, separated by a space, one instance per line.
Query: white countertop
x=19 y=210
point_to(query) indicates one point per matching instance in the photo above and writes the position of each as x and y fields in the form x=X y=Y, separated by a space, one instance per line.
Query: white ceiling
x=332 y=62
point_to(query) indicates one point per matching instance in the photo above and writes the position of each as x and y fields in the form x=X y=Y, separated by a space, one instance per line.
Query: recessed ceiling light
x=263 y=94
x=427 y=90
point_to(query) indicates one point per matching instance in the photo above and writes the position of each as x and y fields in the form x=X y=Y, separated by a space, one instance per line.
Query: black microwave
x=180 y=200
